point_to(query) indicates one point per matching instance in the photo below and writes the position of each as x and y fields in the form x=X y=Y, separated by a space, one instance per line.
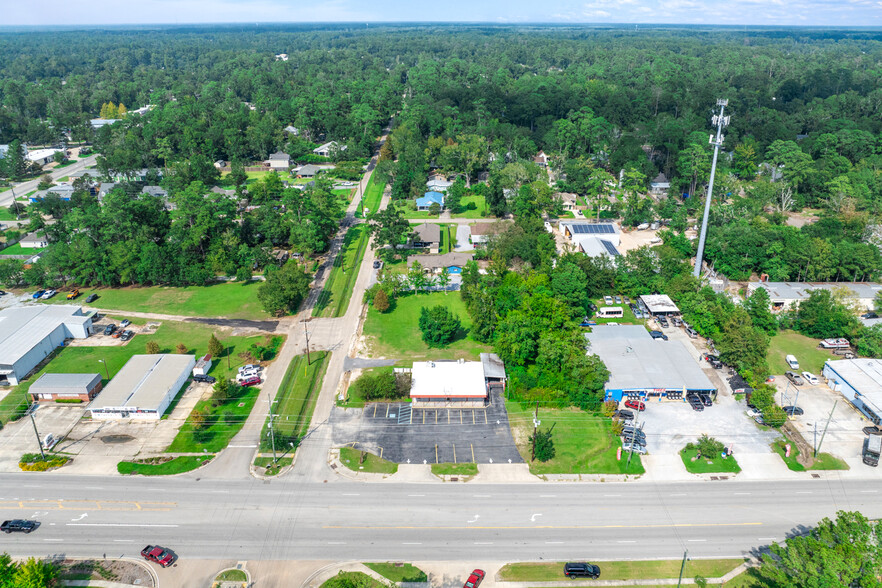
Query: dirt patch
x=114 y=439
x=122 y=572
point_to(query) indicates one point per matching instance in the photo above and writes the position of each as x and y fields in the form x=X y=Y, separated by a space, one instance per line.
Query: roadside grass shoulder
x=349 y=579
x=5 y=215
x=333 y=301
x=811 y=358
x=221 y=422
x=17 y=249
x=455 y=469
x=824 y=461
x=583 y=441
x=362 y=461
x=399 y=572
x=621 y=570
x=396 y=334
x=295 y=401
x=177 y=465
x=717 y=465
x=373 y=195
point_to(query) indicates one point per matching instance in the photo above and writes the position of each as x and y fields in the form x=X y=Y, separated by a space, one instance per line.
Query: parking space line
x=472 y=445
x=460 y=416
x=486 y=422
x=387 y=410
x=448 y=416
x=436 y=418
x=411 y=417
x=474 y=417
x=454 y=453
x=375 y=410
x=436 y=453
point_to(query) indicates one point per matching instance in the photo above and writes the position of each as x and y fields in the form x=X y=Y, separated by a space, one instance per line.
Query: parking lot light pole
x=106 y=373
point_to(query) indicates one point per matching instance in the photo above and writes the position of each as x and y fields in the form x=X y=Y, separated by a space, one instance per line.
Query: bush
x=381 y=301
x=544 y=445
x=181 y=349
x=34 y=462
x=152 y=348
x=709 y=447
x=609 y=408
x=68 y=401
x=439 y=325
x=383 y=385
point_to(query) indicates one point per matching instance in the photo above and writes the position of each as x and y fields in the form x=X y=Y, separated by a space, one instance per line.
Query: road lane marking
x=241 y=446
x=547 y=496
x=123 y=540
x=533 y=527
x=352 y=495
x=868 y=491
x=742 y=493
x=626 y=541
x=554 y=543
x=415 y=495
x=804 y=492
x=411 y=543
x=481 y=496
x=54 y=540
x=696 y=540
x=766 y=539
x=336 y=543
x=677 y=494
x=118 y=525
x=611 y=495
x=483 y=543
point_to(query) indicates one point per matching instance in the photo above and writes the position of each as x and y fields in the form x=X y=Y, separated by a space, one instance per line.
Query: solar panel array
x=610 y=248
x=593 y=229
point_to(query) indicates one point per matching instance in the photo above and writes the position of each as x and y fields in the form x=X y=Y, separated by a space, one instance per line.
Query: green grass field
x=470 y=207
x=628 y=317
x=350 y=579
x=296 y=397
x=621 y=570
x=372 y=197
x=583 y=441
x=17 y=249
x=811 y=358
x=237 y=300
x=455 y=469
x=79 y=360
x=5 y=214
x=718 y=465
x=824 y=461
x=396 y=334
x=400 y=572
x=177 y=465
x=334 y=298
x=223 y=422
x=352 y=459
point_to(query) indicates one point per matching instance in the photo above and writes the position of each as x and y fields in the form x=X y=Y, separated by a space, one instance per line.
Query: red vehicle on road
x=158 y=554
x=474 y=579
x=635 y=404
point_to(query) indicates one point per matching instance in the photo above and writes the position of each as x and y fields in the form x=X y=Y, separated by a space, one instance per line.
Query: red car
x=250 y=381
x=158 y=554
x=635 y=404
x=475 y=579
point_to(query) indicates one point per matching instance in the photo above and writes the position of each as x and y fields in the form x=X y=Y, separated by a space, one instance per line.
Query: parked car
x=695 y=403
x=109 y=329
x=632 y=431
x=160 y=555
x=636 y=404
x=608 y=300
x=117 y=333
x=49 y=294
x=18 y=526
x=873 y=430
x=91 y=298
x=663 y=321
x=37 y=294
x=691 y=333
x=247 y=374
x=637 y=448
x=705 y=399
x=869 y=315
x=124 y=323
x=475 y=579
x=250 y=381
x=376 y=264
x=73 y=294
x=793 y=410
x=795 y=378
x=249 y=367
x=126 y=335
x=581 y=570
x=618 y=299
x=658 y=335
x=625 y=415
x=811 y=378
x=204 y=379
x=676 y=321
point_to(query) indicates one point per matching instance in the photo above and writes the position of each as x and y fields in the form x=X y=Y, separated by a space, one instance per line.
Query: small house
x=541 y=159
x=438 y=185
x=308 y=171
x=34 y=241
x=568 y=201
x=660 y=185
x=279 y=161
x=433 y=264
x=426 y=201
x=427 y=236
x=328 y=149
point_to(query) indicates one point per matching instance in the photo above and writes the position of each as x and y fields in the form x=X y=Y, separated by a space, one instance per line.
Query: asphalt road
x=25 y=187
x=291 y=519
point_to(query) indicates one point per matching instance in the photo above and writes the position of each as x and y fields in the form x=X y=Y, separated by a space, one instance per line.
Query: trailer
x=835 y=344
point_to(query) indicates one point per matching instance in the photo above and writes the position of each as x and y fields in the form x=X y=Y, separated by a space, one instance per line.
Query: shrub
x=68 y=401
x=439 y=325
x=152 y=348
x=180 y=348
x=544 y=445
x=383 y=385
x=609 y=408
x=34 y=462
x=709 y=447
x=381 y=301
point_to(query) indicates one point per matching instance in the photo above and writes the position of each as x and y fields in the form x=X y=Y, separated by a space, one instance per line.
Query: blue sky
x=754 y=12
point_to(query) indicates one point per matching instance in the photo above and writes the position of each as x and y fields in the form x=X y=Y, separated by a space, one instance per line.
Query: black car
x=631 y=430
x=658 y=335
x=624 y=414
x=793 y=410
x=874 y=430
x=581 y=570
x=630 y=439
x=695 y=403
x=109 y=329
x=91 y=298
x=126 y=335
x=377 y=264
x=706 y=399
x=18 y=526
x=205 y=379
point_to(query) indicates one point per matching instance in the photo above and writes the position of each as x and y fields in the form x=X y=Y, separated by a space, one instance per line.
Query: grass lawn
x=806 y=350
x=17 y=249
x=396 y=334
x=373 y=195
x=349 y=579
x=231 y=576
x=5 y=214
x=583 y=441
x=222 y=422
x=622 y=570
x=236 y=300
x=824 y=461
x=272 y=470
x=455 y=469
x=177 y=465
x=85 y=360
x=354 y=399
x=718 y=465
x=399 y=572
x=362 y=461
x=296 y=398
x=334 y=298
x=472 y=207
x=628 y=317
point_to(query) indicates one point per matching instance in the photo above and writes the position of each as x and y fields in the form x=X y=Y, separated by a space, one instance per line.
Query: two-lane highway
x=287 y=519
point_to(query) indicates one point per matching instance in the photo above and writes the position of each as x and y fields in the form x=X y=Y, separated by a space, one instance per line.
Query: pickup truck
x=872 y=450
x=158 y=554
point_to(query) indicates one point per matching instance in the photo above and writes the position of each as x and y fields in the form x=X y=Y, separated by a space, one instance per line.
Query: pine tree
x=215 y=347
x=152 y=348
x=381 y=301
x=121 y=110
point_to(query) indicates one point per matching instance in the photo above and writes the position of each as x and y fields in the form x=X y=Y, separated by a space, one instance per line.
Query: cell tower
x=720 y=121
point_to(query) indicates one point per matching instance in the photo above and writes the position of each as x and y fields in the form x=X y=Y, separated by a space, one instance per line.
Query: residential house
x=281 y=57
x=433 y=264
x=427 y=236
x=568 y=201
x=83 y=173
x=63 y=191
x=159 y=192
x=308 y=171
x=438 y=185
x=660 y=185
x=43 y=156
x=595 y=246
x=574 y=230
x=541 y=159
x=104 y=189
x=223 y=192
x=279 y=161
x=34 y=241
x=425 y=202
x=481 y=232
x=97 y=123
x=220 y=164
x=290 y=130
x=328 y=149
x=138 y=175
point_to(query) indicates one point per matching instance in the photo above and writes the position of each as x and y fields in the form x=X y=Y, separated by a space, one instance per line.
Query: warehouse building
x=643 y=367
x=144 y=387
x=69 y=387
x=860 y=381
x=784 y=295
x=30 y=333
x=659 y=304
x=459 y=382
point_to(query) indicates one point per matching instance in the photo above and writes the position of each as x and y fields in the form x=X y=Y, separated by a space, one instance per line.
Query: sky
x=723 y=12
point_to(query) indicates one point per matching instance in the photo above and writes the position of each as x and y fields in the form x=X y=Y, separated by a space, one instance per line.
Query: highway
x=290 y=519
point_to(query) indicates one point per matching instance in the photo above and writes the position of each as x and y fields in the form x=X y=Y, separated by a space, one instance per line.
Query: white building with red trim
x=455 y=381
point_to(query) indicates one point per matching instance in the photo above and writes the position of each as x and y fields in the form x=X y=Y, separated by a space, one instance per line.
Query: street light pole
x=720 y=121
x=271 y=431
x=106 y=373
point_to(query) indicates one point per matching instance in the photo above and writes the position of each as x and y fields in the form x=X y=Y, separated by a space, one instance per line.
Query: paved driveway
x=463 y=233
x=436 y=435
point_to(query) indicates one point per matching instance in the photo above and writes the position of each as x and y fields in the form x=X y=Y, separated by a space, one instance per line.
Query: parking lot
x=433 y=435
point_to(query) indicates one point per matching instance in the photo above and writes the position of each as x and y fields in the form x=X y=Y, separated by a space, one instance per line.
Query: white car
x=250 y=368
x=811 y=378
x=247 y=374
x=640 y=449
x=125 y=323
x=48 y=294
x=607 y=300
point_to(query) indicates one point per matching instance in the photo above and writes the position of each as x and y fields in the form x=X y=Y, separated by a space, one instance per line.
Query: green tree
x=181 y=349
x=389 y=229
x=745 y=158
x=438 y=325
x=759 y=306
x=7 y=571
x=543 y=444
x=284 y=289
x=822 y=317
x=381 y=301
x=35 y=573
x=14 y=164
x=444 y=279
x=215 y=347
x=416 y=277
x=221 y=392
x=152 y=347
x=454 y=194
x=435 y=209
x=796 y=165
x=569 y=283
x=238 y=176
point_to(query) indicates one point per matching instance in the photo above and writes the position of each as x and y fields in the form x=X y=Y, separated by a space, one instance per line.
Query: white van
x=791 y=361
x=610 y=312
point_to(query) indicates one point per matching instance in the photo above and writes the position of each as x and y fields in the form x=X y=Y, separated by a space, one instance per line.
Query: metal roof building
x=82 y=387
x=659 y=304
x=860 y=381
x=607 y=231
x=455 y=380
x=784 y=294
x=642 y=367
x=144 y=387
x=29 y=333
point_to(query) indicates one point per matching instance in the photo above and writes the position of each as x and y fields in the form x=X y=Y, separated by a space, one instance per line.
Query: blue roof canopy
x=431 y=198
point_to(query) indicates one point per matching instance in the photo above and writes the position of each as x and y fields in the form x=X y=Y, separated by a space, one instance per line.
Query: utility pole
x=829 y=418
x=682 y=567
x=271 y=431
x=633 y=442
x=536 y=424
x=39 y=442
x=306 y=333
x=721 y=121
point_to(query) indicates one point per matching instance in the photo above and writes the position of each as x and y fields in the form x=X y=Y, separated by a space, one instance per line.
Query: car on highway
x=204 y=379
x=18 y=526
x=250 y=381
x=48 y=294
x=160 y=555
x=91 y=298
x=793 y=410
x=109 y=329
x=638 y=405
x=126 y=335
x=581 y=570
x=73 y=294
x=37 y=294
x=475 y=579
x=811 y=378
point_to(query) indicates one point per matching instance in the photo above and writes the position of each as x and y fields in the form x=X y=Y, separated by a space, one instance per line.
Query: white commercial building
x=456 y=381
x=30 y=333
x=783 y=295
x=144 y=387
x=659 y=304
x=42 y=156
x=860 y=381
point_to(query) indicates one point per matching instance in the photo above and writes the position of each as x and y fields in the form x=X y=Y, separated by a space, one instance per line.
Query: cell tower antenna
x=720 y=121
